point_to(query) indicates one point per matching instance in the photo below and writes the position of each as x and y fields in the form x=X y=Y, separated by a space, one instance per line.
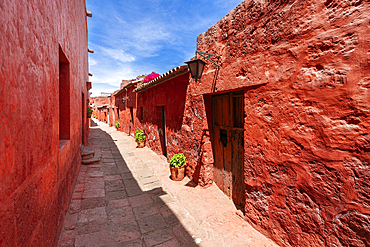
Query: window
x=64 y=99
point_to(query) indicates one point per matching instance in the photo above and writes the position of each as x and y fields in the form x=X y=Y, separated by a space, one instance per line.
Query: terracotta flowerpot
x=140 y=144
x=177 y=173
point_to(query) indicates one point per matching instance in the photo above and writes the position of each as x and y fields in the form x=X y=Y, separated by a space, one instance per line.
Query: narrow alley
x=128 y=199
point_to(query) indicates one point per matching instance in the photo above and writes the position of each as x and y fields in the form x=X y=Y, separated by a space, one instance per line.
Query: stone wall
x=37 y=175
x=304 y=67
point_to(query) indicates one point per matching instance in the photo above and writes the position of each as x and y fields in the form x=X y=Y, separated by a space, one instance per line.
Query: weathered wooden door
x=228 y=136
x=132 y=126
x=161 y=121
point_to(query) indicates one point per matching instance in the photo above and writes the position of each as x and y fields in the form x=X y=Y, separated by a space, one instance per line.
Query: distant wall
x=37 y=175
x=101 y=112
x=304 y=67
x=127 y=110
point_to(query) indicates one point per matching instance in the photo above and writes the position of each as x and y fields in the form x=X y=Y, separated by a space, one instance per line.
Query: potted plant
x=110 y=124
x=140 y=138
x=117 y=125
x=177 y=166
x=89 y=111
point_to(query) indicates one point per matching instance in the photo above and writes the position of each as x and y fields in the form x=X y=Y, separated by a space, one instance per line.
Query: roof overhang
x=124 y=88
x=180 y=70
x=102 y=106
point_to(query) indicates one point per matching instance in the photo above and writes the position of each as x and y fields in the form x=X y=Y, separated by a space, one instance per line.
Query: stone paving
x=128 y=199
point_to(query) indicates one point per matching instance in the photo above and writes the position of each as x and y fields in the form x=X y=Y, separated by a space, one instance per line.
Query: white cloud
x=136 y=37
x=92 y=61
x=117 y=54
x=112 y=76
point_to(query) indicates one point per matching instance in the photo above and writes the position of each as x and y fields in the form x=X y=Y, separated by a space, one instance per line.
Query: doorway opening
x=132 y=126
x=64 y=99
x=83 y=118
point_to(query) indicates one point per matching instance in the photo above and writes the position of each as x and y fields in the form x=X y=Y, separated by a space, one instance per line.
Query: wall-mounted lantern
x=196 y=66
x=124 y=99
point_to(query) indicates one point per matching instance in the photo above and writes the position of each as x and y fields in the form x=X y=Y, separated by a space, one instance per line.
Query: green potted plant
x=117 y=125
x=140 y=138
x=89 y=111
x=177 y=166
x=110 y=124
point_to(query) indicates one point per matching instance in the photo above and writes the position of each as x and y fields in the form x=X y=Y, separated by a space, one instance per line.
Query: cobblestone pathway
x=128 y=199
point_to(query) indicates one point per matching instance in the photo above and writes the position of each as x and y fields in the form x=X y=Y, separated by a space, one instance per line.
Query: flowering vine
x=146 y=77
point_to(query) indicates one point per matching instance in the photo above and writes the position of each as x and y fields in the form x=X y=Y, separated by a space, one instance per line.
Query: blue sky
x=134 y=37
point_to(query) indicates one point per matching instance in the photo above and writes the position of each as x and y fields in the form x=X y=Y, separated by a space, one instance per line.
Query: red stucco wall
x=112 y=112
x=125 y=109
x=304 y=67
x=101 y=112
x=171 y=94
x=36 y=177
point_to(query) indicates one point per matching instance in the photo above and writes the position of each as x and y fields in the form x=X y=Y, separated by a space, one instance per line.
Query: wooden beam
x=88 y=13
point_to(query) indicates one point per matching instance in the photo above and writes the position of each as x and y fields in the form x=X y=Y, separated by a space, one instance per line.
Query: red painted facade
x=127 y=115
x=100 y=106
x=44 y=70
x=303 y=69
x=160 y=113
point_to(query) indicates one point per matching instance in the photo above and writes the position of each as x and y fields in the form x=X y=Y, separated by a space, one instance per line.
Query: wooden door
x=132 y=126
x=228 y=136
x=161 y=121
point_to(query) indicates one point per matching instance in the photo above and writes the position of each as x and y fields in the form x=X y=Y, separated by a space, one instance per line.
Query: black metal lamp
x=196 y=66
x=124 y=99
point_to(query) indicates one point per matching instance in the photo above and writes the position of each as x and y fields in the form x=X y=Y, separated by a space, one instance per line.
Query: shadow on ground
x=110 y=208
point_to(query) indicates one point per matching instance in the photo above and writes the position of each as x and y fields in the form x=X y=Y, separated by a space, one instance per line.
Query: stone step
x=90 y=160
x=88 y=152
x=87 y=156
